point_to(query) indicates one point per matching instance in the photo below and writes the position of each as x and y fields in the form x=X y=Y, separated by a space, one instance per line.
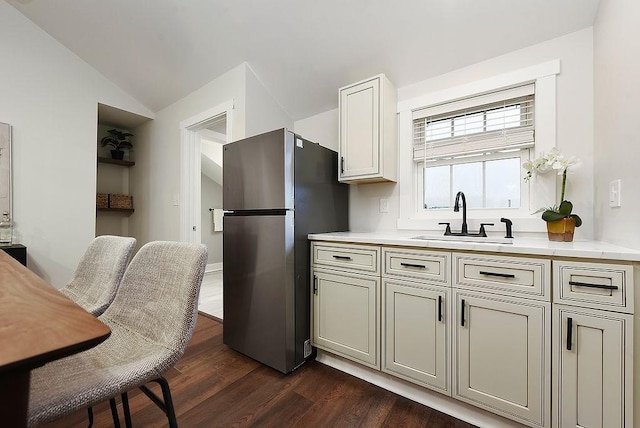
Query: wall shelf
x=115 y=161
x=127 y=211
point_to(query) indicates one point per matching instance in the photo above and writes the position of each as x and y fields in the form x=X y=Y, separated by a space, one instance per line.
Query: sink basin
x=453 y=238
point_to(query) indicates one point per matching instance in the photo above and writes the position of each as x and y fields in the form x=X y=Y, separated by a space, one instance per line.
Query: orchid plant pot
x=561 y=230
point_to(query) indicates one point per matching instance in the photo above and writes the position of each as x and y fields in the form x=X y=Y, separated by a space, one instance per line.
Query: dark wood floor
x=214 y=386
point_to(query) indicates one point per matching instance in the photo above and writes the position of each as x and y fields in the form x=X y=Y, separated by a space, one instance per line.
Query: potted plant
x=118 y=140
x=561 y=223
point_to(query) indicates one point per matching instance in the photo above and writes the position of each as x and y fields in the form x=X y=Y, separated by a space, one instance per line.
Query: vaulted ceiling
x=159 y=51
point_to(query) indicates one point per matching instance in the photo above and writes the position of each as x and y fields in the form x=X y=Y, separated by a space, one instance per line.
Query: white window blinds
x=486 y=123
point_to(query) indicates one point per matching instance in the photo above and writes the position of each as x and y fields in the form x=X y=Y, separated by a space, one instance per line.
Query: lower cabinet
x=592 y=370
x=501 y=350
x=415 y=336
x=345 y=315
x=482 y=329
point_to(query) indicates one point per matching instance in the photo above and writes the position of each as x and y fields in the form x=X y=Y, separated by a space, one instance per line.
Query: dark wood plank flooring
x=214 y=386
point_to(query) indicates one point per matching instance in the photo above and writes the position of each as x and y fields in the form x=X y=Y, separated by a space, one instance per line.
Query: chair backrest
x=98 y=275
x=158 y=296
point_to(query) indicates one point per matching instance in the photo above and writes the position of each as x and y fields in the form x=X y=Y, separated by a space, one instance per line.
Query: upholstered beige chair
x=151 y=319
x=99 y=273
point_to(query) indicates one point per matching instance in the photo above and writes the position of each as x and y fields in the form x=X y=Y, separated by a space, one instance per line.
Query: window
x=476 y=145
x=487 y=181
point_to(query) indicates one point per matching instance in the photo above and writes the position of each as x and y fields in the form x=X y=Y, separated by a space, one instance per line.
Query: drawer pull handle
x=569 y=331
x=501 y=275
x=462 y=313
x=342 y=257
x=587 y=284
x=413 y=265
x=439 y=308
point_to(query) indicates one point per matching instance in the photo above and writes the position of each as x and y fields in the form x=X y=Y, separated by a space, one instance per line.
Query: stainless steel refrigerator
x=277 y=188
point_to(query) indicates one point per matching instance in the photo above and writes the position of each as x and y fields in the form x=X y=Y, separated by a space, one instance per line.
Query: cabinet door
x=415 y=342
x=345 y=315
x=593 y=355
x=502 y=355
x=360 y=130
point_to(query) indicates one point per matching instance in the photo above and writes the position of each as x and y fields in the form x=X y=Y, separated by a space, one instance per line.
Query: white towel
x=216 y=217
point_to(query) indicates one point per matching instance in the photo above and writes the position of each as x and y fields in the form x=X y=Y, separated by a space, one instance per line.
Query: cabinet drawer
x=514 y=276
x=420 y=264
x=597 y=285
x=361 y=258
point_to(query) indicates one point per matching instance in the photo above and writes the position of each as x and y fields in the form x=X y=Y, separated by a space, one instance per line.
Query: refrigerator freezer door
x=258 y=172
x=258 y=283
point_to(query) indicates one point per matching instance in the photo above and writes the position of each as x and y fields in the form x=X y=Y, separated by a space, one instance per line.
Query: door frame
x=190 y=167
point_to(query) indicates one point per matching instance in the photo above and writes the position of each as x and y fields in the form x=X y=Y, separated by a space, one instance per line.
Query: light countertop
x=528 y=246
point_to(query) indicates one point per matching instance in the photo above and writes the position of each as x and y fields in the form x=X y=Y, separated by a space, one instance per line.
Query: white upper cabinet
x=368 y=131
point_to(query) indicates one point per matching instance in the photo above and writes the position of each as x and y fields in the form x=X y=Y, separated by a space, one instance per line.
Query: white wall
x=263 y=113
x=321 y=128
x=574 y=119
x=617 y=97
x=155 y=180
x=211 y=198
x=50 y=97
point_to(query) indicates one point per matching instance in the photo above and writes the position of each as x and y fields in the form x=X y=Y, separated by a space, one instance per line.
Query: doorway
x=201 y=195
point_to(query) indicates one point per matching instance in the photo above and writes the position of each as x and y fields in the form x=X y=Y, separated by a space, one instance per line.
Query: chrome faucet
x=456 y=208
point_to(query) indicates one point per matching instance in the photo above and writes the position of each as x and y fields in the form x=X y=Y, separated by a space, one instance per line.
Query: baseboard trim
x=434 y=400
x=208 y=315
x=213 y=267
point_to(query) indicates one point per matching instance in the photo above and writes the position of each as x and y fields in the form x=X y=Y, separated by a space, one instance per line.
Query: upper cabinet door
x=368 y=140
x=359 y=124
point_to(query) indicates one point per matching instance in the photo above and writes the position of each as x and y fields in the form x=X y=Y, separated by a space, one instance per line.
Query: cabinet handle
x=462 y=313
x=413 y=265
x=501 y=275
x=569 y=331
x=342 y=165
x=342 y=257
x=439 y=308
x=587 y=284
x=315 y=285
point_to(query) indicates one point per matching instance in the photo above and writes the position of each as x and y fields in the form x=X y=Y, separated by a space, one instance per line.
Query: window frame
x=539 y=192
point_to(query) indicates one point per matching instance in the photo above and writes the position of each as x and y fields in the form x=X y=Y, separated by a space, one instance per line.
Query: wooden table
x=38 y=324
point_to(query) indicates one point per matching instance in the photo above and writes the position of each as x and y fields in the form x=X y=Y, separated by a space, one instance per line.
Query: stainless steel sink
x=453 y=238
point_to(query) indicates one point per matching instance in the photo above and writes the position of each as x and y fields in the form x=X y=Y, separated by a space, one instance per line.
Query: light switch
x=615 y=188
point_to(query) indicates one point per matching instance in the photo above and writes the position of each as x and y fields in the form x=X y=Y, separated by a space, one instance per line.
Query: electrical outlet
x=615 y=188
x=307 y=348
x=384 y=205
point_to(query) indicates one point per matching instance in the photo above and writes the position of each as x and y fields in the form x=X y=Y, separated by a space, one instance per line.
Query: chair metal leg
x=90 y=412
x=114 y=413
x=166 y=395
x=167 y=405
x=127 y=412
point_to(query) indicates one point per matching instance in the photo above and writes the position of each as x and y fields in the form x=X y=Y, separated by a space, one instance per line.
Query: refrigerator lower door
x=258 y=288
